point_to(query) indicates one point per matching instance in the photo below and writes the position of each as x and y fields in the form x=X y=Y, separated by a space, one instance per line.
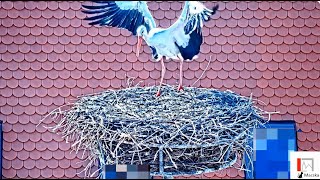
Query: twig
x=202 y=72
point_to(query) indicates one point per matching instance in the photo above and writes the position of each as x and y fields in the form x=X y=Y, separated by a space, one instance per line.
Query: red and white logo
x=304 y=165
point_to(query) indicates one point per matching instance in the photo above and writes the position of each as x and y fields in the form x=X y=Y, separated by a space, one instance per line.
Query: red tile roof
x=50 y=55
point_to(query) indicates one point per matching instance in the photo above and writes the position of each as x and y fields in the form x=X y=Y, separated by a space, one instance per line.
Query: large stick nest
x=196 y=130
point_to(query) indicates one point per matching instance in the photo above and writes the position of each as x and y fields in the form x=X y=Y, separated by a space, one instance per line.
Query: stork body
x=181 y=41
x=165 y=48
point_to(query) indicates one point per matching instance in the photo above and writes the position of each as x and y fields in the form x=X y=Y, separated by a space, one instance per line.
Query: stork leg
x=163 y=71
x=180 y=87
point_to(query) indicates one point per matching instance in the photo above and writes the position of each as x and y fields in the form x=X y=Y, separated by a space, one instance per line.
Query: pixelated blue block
x=132 y=168
x=272 y=133
x=283 y=175
x=261 y=135
x=138 y=175
x=110 y=168
x=291 y=144
x=110 y=175
x=125 y=171
x=260 y=144
x=121 y=175
x=272 y=145
x=278 y=148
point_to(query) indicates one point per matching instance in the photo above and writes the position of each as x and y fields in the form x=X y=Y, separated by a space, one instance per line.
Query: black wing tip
x=86 y=6
x=90 y=7
x=215 y=8
x=86 y=11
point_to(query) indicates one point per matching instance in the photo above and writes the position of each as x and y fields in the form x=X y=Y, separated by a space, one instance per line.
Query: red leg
x=180 y=87
x=163 y=71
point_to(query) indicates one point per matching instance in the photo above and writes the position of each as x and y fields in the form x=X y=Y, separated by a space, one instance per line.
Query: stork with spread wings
x=181 y=41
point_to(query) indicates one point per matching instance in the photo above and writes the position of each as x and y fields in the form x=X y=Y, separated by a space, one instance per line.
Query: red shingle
x=17 y=164
x=58 y=172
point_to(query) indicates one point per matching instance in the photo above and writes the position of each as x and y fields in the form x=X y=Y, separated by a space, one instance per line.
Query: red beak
x=138 y=46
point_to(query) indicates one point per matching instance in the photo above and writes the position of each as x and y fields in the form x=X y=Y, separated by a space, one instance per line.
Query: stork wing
x=188 y=37
x=194 y=14
x=122 y=14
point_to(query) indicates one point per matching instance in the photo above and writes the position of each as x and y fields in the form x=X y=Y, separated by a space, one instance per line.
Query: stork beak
x=138 y=46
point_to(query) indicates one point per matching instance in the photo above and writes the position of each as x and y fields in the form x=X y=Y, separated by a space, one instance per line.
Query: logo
x=300 y=175
x=304 y=165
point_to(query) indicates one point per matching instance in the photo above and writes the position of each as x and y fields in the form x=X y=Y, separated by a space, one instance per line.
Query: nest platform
x=188 y=132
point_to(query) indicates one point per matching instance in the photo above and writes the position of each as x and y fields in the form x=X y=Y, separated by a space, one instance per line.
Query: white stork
x=181 y=41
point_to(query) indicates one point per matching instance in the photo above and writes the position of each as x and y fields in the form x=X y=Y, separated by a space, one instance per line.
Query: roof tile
x=25 y=119
x=18 y=128
x=281 y=109
x=269 y=92
x=314 y=92
x=47 y=155
x=281 y=92
x=17 y=146
x=316 y=127
x=298 y=101
x=248 y=15
x=232 y=74
x=299 y=118
x=9 y=155
x=313 y=74
x=257 y=92
x=23 y=173
x=311 y=23
x=302 y=136
x=35 y=136
x=70 y=172
x=292 y=109
x=53 y=164
x=41 y=163
x=2 y=101
x=231 y=5
x=251 y=83
x=308 y=83
x=58 y=154
x=311 y=118
x=314 y=109
x=29 y=164
x=46 y=172
x=17 y=164
x=316 y=145
x=58 y=172
x=76 y=162
x=64 y=163
x=228 y=83
x=34 y=173
x=221 y=173
x=23 y=155
x=240 y=83
x=7 y=5
x=28 y=145
x=232 y=172
x=6 y=110
x=75 y=91
x=223 y=75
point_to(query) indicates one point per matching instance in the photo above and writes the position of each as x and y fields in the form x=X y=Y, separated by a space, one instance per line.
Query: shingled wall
x=49 y=56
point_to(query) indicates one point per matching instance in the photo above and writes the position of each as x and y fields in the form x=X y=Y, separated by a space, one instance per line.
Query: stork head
x=196 y=7
x=141 y=33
